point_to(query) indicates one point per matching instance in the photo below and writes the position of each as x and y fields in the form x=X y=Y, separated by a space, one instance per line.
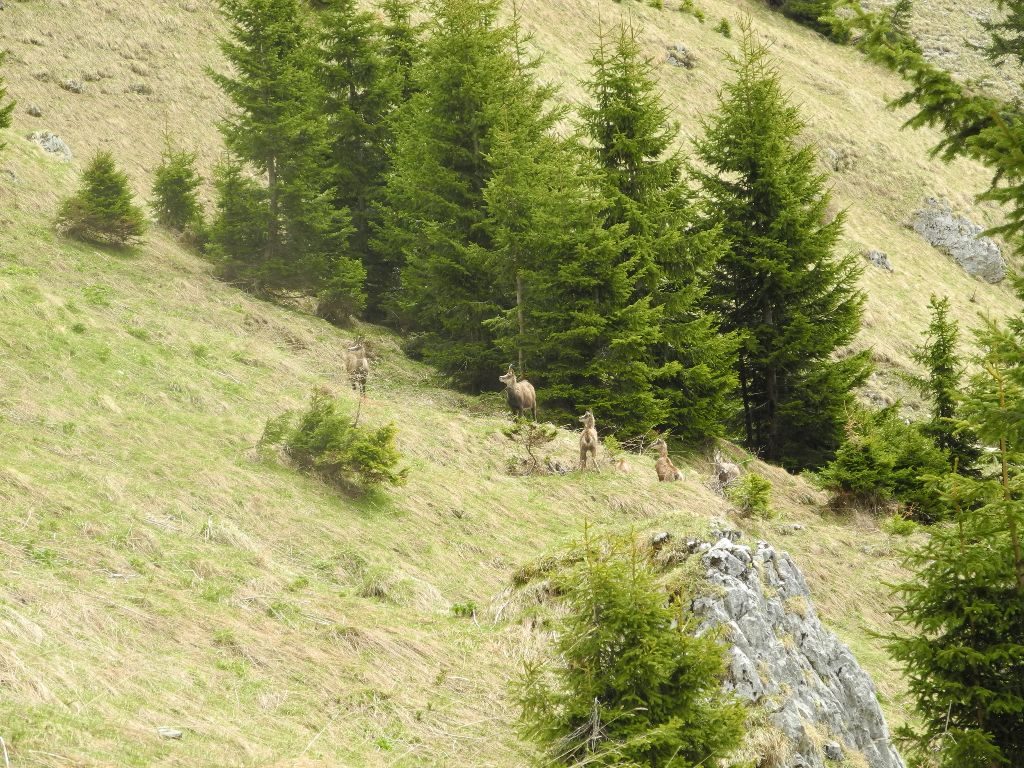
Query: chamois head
x=587 y=419
x=508 y=379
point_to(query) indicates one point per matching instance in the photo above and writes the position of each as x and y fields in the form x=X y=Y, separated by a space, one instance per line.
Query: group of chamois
x=522 y=398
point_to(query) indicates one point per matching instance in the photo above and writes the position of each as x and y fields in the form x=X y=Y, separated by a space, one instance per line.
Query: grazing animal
x=358 y=367
x=588 y=441
x=522 y=397
x=621 y=465
x=725 y=471
x=667 y=471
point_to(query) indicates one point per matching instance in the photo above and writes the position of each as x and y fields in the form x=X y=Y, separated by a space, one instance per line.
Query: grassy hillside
x=160 y=570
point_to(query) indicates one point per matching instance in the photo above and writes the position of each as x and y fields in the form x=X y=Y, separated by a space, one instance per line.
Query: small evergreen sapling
x=175 y=182
x=752 y=495
x=627 y=685
x=325 y=441
x=942 y=385
x=102 y=210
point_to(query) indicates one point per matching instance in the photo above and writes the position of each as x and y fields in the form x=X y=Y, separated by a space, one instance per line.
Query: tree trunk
x=522 y=321
x=1018 y=557
x=272 y=226
x=773 y=448
x=747 y=420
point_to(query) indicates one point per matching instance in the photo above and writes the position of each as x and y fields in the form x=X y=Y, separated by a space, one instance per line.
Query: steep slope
x=113 y=47
x=159 y=570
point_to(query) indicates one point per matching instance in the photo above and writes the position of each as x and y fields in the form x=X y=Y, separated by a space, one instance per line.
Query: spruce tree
x=277 y=126
x=6 y=109
x=576 y=324
x=780 y=286
x=239 y=226
x=963 y=607
x=360 y=93
x=102 y=210
x=175 y=183
x=403 y=45
x=940 y=358
x=627 y=685
x=668 y=253
x=468 y=80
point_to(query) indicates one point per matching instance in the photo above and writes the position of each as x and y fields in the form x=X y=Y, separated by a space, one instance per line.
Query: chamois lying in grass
x=521 y=395
x=588 y=441
x=357 y=366
x=667 y=471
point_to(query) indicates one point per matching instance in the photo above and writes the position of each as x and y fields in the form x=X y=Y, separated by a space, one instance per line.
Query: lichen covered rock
x=959 y=238
x=783 y=659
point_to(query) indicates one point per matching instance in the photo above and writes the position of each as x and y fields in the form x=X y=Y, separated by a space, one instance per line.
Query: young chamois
x=588 y=441
x=521 y=395
x=726 y=472
x=667 y=471
x=357 y=366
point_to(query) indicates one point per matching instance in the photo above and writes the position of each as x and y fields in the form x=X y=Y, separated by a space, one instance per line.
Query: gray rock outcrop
x=958 y=238
x=879 y=258
x=51 y=143
x=784 y=659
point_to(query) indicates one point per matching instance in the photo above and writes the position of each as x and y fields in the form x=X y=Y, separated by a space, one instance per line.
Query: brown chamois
x=522 y=397
x=725 y=471
x=357 y=366
x=667 y=471
x=588 y=441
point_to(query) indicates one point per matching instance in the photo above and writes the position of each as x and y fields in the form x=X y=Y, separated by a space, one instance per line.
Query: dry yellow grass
x=158 y=570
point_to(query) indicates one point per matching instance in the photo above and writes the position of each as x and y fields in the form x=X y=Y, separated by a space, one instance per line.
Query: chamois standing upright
x=667 y=471
x=588 y=441
x=522 y=397
x=725 y=471
x=357 y=366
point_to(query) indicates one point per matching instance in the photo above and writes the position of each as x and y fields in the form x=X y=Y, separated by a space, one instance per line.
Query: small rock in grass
x=73 y=86
x=879 y=258
x=35 y=110
x=833 y=751
x=168 y=733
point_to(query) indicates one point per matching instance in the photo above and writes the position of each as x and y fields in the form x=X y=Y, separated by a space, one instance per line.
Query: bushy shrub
x=752 y=495
x=102 y=210
x=723 y=28
x=325 y=441
x=885 y=459
x=897 y=525
x=175 y=182
x=627 y=685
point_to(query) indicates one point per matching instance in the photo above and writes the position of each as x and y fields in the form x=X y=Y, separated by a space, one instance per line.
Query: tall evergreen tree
x=964 y=605
x=577 y=323
x=942 y=385
x=360 y=93
x=627 y=686
x=468 y=80
x=668 y=253
x=6 y=109
x=278 y=126
x=780 y=286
